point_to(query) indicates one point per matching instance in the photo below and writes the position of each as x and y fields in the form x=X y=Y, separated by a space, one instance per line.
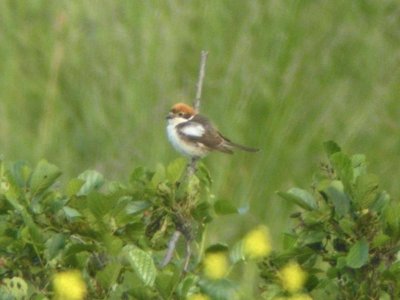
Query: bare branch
x=199 y=85
x=171 y=248
x=191 y=168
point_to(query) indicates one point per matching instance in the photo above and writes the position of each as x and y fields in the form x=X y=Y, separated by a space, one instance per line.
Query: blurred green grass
x=87 y=84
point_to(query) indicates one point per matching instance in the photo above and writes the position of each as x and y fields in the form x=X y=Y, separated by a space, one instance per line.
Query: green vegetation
x=87 y=85
x=346 y=238
x=114 y=235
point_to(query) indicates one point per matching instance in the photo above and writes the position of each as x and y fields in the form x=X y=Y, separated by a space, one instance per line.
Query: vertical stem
x=191 y=167
x=199 y=85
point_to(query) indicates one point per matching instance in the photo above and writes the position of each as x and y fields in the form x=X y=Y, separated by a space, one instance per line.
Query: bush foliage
x=115 y=233
x=346 y=237
x=343 y=245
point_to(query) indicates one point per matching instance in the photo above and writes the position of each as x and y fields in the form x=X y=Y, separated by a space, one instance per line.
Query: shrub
x=345 y=237
x=114 y=233
x=108 y=240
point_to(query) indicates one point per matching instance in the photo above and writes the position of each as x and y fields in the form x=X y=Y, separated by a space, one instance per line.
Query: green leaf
x=223 y=207
x=202 y=212
x=336 y=195
x=127 y=211
x=35 y=232
x=73 y=249
x=384 y=296
x=331 y=147
x=359 y=164
x=332 y=273
x=71 y=213
x=137 y=207
x=54 y=244
x=219 y=247
x=289 y=240
x=344 y=169
x=222 y=289
x=18 y=174
x=341 y=262
x=186 y=285
x=142 y=263
x=159 y=176
x=312 y=236
x=381 y=202
x=366 y=190
x=204 y=174
x=236 y=254
x=109 y=275
x=300 y=197
x=93 y=181
x=74 y=186
x=100 y=204
x=112 y=243
x=380 y=239
x=44 y=175
x=392 y=213
x=358 y=254
x=347 y=225
x=12 y=198
x=167 y=280
x=16 y=287
x=273 y=292
x=175 y=169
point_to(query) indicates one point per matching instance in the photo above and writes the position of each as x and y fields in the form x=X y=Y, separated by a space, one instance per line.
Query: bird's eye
x=180 y=114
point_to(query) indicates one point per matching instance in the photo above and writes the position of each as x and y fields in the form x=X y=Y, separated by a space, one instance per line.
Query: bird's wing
x=192 y=129
x=199 y=130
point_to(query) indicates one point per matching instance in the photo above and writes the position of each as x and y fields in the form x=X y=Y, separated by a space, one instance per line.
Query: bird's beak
x=169 y=116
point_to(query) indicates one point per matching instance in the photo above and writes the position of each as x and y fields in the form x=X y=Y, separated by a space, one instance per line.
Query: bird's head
x=181 y=111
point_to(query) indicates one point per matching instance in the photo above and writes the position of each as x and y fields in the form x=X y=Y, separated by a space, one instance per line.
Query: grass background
x=87 y=84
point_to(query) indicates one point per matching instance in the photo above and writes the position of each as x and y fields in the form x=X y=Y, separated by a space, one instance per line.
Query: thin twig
x=188 y=254
x=171 y=248
x=199 y=85
x=191 y=168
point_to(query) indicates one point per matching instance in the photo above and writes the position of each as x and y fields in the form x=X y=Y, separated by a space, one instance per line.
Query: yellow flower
x=215 y=265
x=292 y=277
x=257 y=243
x=198 y=297
x=69 y=285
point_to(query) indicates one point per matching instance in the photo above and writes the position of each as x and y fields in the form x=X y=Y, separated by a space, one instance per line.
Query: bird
x=194 y=136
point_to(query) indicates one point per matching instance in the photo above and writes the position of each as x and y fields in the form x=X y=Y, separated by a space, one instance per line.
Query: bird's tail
x=228 y=146
x=244 y=148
